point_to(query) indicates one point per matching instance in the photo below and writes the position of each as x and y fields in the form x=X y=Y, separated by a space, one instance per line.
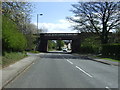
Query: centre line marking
x=70 y=62
x=84 y=71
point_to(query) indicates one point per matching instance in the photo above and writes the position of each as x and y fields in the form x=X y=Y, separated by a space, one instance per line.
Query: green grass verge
x=105 y=58
x=12 y=57
x=111 y=59
x=101 y=57
x=34 y=52
x=54 y=50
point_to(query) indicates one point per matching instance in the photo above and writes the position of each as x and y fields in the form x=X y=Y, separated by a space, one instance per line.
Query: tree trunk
x=104 y=39
x=104 y=36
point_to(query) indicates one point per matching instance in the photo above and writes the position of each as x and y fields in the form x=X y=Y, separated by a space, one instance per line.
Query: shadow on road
x=62 y=55
x=59 y=52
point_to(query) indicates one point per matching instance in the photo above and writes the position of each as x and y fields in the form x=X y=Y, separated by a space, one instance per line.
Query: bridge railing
x=59 y=34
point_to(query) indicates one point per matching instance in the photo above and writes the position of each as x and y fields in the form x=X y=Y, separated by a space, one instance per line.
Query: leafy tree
x=117 y=39
x=51 y=45
x=92 y=44
x=96 y=17
x=60 y=43
x=13 y=39
x=30 y=41
x=30 y=28
x=18 y=12
x=43 y=30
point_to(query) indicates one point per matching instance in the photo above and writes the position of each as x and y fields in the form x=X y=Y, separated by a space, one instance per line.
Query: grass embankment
x=101 y=57
x=111 y=59
x=33 y=51
x=12 y=57
x=107 y=58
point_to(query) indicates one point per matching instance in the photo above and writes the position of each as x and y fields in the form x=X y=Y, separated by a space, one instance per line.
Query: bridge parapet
x=61 y=36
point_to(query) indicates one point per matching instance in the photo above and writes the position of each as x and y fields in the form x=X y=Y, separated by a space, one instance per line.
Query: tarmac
x=7 y=74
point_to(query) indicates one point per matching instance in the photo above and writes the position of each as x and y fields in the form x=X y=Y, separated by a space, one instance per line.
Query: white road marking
x=107 y=88
x=79 y=68
x=70 y=62
x=84 y=71
x=67 y=60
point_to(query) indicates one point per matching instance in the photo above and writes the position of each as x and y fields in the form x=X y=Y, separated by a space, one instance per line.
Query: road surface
x=55 y=70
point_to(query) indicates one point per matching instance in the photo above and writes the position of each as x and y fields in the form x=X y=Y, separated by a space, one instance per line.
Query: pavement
x=107 y=62
x=100 y=60
x=11 y=72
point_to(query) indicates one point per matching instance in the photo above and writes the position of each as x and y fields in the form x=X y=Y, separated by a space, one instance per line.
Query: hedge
x=86 y=49
x=111 y=50
x=12 y=38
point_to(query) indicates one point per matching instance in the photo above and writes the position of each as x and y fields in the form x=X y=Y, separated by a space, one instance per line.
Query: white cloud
x=63 y=26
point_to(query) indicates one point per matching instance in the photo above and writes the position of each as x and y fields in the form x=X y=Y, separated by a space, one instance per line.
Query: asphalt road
x=67 y=71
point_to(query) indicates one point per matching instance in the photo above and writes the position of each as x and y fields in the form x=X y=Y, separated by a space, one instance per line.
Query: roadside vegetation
x=51 y=45
x=101 y=20
x=59 y=44
x=33 y=51
x=13 y=42
x=12 y=57
x=115 y=60
x=13 y=39
x=55 y=45
x=17 y=31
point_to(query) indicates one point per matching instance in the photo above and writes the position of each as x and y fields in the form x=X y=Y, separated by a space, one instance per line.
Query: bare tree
x=19 y=12
x=96 y=17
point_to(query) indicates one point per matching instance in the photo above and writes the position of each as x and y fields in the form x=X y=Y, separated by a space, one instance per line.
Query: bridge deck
x=61 y=36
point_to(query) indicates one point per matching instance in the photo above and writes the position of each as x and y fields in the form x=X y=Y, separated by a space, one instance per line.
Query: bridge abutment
x=43 y=45
x=75 y=45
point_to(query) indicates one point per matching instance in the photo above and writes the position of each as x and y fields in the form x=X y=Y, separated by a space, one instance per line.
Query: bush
x=111 y=50
x=34 y=51
x=13 y=40
x=86 y=49
x=12 y=57
x=51 y=45
x=91 y=45
x=30 y=41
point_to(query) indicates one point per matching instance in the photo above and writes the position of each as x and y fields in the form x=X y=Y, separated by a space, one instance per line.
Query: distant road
x=55 y=70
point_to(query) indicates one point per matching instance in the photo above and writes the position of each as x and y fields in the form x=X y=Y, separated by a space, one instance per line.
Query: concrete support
x=43 y=45
x=75 y=45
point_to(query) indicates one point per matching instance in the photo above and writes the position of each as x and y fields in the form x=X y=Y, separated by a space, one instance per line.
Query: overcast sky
x=54 y=16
